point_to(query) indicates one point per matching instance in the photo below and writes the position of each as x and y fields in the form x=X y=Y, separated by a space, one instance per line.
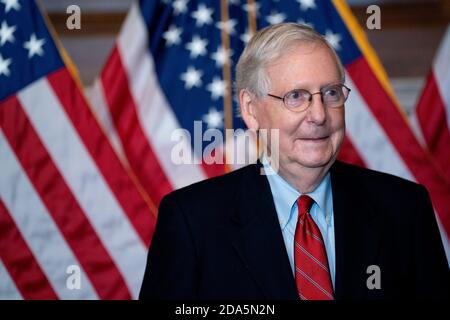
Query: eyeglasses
x=332 y=96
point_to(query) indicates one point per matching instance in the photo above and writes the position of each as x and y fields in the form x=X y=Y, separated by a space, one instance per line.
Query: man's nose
x=317 y=112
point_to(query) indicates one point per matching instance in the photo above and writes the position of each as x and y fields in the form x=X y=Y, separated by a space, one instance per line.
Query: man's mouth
x=315 y=139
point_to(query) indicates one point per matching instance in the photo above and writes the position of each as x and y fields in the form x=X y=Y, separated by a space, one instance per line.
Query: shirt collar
x=285 y=196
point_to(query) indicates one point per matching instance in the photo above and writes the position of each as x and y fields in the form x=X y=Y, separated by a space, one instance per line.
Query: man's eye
x=296 y=95
x=332 y=93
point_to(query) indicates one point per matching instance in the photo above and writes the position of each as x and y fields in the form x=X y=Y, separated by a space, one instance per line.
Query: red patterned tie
x=312 y=274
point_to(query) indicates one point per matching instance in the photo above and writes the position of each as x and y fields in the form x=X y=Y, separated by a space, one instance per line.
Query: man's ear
x=247 y=102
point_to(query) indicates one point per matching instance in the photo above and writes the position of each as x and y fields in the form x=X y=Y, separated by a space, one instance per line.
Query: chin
x=314 y=161
x=314 y=164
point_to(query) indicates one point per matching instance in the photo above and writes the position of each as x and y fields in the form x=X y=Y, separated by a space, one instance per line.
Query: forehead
x=310 y=66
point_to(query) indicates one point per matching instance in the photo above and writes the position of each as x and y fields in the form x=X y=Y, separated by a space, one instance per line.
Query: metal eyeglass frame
x=298 y=109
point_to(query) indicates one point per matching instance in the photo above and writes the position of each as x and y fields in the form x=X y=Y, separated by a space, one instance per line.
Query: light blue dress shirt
x=285 y=198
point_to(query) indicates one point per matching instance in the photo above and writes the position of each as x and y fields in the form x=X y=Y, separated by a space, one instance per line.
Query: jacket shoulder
x=214 y=190
x=382 y=182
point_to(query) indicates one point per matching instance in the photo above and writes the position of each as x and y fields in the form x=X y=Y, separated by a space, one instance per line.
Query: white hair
x=268 y=45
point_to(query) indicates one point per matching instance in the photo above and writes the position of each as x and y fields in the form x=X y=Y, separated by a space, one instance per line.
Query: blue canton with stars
x=185 y=42
x=27 y=51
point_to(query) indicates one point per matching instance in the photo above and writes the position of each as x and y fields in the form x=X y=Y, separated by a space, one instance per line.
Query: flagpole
x=251 y=14
x=252 y=28
x=226 y=69
x=226 y=73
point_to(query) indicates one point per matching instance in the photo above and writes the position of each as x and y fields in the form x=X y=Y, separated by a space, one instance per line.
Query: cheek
x=273 y=118
x=286 y=126
x=337 y=127
x=264 y=116
x=288 y=136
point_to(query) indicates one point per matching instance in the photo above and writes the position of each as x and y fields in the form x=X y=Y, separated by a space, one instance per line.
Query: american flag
x=172 y=65
x=67 y=203
x=431 y=119
x=432 y=114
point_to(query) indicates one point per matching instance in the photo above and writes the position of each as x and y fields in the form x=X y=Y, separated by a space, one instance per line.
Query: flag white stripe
x=369 y=138
x=85 y=181
x=157 y=119
x=37 y=226
x=441 y=73
x=441 y=69
x=100 y=107
x=415 y=126
x=8 y=289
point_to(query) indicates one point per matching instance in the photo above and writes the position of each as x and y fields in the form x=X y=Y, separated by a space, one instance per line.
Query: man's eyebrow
x=306 y=86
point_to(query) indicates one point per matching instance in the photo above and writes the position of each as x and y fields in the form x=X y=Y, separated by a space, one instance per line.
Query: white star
x=214 y=118
x=235 y=2
x=6 y=33
x=172 y=36
x=228 y=26
x=307 y=4
x=333 y=39
x=246 y=36
x=179 y=6
x=275 y=17
x=255 y=6
x=222 y=56
x=11 y=4
x=217 y=88
x=302 y=21
x=4 y=66
x=34 y=46
x=203 y=15
x=192 y=78
x=197 y=46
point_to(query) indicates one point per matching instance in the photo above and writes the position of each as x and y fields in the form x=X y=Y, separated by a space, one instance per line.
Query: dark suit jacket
x=221 y=239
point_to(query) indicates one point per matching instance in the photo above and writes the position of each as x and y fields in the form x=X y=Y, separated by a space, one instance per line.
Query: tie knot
x=304 y=204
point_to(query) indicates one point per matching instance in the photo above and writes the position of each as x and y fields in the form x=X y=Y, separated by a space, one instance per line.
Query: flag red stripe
x=95 y=140
x=60 y=202
x=400 y=135
x=124 y=114
x=214 y=169
x=20 y=262
x=432 y=117
x=348 y=153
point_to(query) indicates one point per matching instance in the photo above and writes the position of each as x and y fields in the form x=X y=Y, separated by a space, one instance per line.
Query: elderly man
x=316 y=228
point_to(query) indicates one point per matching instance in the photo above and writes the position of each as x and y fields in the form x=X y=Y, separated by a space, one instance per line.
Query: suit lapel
x=257 y=239
x=256 y=235
x=357 y=231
